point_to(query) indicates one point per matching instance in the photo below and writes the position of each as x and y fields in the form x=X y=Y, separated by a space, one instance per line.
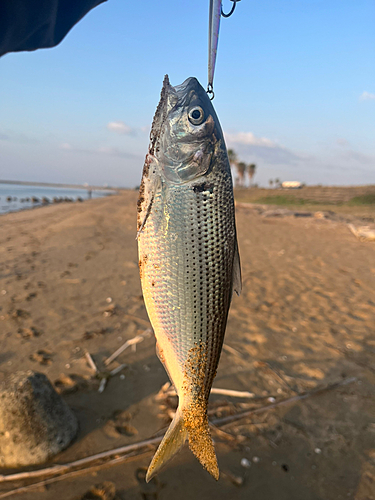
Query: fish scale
x=188 y=257
x=186 y=274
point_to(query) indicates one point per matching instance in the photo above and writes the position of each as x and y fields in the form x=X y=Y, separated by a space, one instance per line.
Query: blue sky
x=294 y=90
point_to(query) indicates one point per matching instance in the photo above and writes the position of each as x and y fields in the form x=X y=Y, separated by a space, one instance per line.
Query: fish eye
x=196 y=115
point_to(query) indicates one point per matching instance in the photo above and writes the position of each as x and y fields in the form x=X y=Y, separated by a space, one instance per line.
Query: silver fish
x=188 y=257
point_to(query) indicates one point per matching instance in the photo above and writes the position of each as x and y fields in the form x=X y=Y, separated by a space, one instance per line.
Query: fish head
x=188 y=134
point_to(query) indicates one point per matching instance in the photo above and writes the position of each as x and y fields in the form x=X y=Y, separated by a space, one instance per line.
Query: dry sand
x=305 y=319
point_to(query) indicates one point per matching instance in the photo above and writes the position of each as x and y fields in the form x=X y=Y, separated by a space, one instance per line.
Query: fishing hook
x=210 y=91
x=231 y=10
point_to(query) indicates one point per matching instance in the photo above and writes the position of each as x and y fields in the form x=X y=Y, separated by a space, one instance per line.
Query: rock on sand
x=35 y=422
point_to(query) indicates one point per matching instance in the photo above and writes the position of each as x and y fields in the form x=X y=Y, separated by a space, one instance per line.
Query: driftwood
x=87 y=464
x=238 y=416
x=131 y=342
x=45 y=482
x=363 y=233
x=61 y=469
x=230 y=349
x=215 y=390
x=91 y=362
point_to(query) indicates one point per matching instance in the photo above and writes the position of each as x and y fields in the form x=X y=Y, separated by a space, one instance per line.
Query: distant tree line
x=276 y=183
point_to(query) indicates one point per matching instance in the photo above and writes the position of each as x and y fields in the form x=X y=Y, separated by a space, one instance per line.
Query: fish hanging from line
x=188 y=258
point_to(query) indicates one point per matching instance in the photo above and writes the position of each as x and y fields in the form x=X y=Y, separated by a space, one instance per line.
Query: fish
x=188 y=258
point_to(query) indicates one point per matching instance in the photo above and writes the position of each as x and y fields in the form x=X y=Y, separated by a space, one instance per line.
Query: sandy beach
x=305 y=320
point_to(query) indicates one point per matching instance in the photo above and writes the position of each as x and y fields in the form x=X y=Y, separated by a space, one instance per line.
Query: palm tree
x=232 y=157
x=251 y=168
x=270 y=182
x=233 y=160
x=277 y=182
x=241 y=169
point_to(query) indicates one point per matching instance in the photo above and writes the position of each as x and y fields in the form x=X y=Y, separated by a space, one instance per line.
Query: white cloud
x=119 y=127
x=342 y=142
x=65 y=145
x=366 y=96
x=248 y=138
x=260 y=149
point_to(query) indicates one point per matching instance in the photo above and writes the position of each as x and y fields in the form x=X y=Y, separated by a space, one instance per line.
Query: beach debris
x=363 y=233
x=319 y=390
x=245 y=463
x=167 y=390
x=230 y=349
x=232 y=393
x=319 y=215
x=236 y=480
x=110 y=310
x=105 y=375
x=102 y=385
x=131 y=342
x=35 y=422
x=91 y=362
x=117 y=370
x=118 y=455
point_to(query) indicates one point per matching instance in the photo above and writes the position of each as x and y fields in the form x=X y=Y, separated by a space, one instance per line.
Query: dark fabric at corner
x=37 y=24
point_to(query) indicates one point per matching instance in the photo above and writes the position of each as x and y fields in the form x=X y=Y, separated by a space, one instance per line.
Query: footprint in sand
x=102 y=491
x=151 y=490
x=28 y=333
x=120 y=426
x=43 y=357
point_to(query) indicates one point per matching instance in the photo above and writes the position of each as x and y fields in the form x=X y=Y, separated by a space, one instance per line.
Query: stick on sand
x=128 y=343
x=85 y=464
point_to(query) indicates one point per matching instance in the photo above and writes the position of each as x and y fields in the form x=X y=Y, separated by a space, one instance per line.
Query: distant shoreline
x=56 y=185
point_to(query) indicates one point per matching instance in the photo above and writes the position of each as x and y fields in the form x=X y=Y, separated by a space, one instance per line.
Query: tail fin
x=190 y=422
x=200 y=440
x=173 y=440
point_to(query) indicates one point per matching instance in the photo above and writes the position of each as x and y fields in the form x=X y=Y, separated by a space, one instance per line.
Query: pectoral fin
x=237 y=281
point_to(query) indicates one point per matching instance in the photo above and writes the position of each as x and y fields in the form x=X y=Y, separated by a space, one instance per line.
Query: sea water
x=14 y=197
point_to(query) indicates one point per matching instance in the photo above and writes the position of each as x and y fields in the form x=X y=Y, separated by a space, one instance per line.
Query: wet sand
x=69 y=284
